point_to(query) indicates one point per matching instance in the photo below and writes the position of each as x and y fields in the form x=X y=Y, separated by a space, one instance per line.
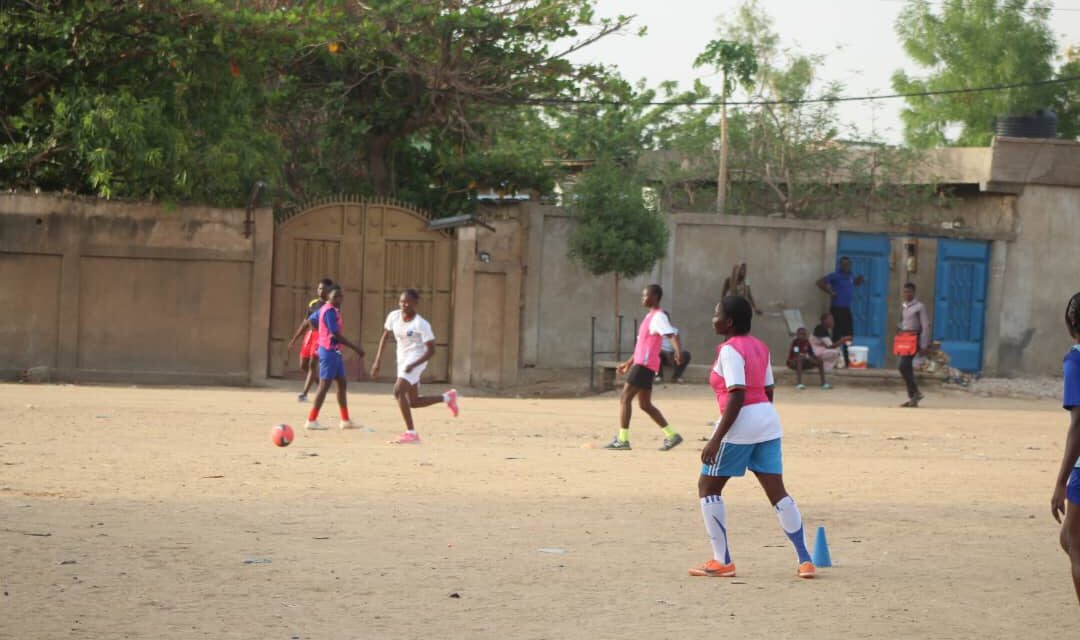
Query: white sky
x=856 y=36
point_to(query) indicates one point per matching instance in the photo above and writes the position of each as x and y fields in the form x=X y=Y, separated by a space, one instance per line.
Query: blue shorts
x=1072 y=490
x=734 y=459
x=331 y=364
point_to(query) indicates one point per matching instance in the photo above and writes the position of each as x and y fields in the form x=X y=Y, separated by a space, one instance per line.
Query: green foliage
x=737 y=62
x=616 y=232
x=973 y=43
x=196 y=100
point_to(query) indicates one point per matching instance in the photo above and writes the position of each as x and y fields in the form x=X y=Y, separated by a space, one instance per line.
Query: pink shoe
x=451 y=401
x=409 y=437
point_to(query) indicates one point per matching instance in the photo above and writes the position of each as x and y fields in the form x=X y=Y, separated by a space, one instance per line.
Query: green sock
x=670 y=432
x=624 y=435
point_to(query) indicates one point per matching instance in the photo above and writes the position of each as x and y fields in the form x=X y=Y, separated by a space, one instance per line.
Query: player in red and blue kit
x=747 y=436
x=331 y=362
x=1067 y=488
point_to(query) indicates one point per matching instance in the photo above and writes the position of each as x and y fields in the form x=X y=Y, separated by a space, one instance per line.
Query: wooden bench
x=607 y=370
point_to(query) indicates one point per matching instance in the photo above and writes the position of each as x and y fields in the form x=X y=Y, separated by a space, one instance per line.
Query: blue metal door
x=960 y=301
x=870 y=259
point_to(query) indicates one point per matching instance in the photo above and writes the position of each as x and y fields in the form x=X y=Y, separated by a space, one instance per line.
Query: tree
x=973 y=43
x=737 y=64
x=195 y=100
x=616 y=232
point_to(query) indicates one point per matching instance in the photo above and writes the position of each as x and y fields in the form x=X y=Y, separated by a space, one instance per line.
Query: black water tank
x=1041 y=124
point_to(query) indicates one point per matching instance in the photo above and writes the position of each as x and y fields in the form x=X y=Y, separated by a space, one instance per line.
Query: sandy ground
x=129 y=513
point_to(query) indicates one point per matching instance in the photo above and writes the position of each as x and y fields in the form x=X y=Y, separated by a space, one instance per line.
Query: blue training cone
x=821 y=557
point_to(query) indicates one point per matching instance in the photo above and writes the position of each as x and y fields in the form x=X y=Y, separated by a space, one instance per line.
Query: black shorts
x=843 y=323
x=641 y=377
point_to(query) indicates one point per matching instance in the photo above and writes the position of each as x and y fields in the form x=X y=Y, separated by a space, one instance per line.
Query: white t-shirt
x=757 y=422
x=661 y=325
x=666 y=345
x=412 y=337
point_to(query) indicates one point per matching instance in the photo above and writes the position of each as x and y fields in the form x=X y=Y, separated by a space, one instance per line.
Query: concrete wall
x=784 y=257
x=1041 y=273
x=97 y=290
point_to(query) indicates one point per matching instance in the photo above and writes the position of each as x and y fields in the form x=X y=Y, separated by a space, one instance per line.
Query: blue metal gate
x=870 y=259
x=960 y=301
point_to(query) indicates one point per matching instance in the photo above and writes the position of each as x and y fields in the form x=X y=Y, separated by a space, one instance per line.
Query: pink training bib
x=647 y=349
x=756 y=357
x=325 y=337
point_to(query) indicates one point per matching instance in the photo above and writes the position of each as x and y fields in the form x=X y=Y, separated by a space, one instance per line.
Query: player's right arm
x=378 y=353
x=734 y=367
x=299 y=331
x=823 y=284
x=1068 y=462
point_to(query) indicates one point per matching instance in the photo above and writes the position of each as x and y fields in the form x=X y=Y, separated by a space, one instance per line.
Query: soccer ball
x=281 y=435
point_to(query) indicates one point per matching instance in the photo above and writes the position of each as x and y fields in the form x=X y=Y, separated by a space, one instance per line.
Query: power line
x=752 y=103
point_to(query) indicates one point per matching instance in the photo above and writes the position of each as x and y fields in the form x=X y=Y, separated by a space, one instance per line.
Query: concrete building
x=95 y=290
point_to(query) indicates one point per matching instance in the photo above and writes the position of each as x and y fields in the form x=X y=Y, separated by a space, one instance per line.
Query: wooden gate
x=373 y=248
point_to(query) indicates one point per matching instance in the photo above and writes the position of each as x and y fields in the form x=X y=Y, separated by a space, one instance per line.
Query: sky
x=856 y=36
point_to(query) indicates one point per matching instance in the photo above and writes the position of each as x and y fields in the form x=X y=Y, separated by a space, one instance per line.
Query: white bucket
x=858 y=356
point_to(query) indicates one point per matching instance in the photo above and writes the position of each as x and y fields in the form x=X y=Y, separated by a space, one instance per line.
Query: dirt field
x=129 y=513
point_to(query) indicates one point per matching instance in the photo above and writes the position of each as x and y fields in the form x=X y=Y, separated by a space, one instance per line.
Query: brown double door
x=374 y=250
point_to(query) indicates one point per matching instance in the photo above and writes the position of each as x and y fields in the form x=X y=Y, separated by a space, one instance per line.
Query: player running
x=309 y=348
x=643 y=367
x=415 y=347
x=1067 y=488
x=747 y=436
x=331 y=362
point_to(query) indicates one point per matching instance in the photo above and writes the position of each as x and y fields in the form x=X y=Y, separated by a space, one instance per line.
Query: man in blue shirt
x=840 y=285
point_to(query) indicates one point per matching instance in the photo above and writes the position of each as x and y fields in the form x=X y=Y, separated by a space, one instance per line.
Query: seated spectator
x=801 y=357
x=823 y=344
x=667 y=359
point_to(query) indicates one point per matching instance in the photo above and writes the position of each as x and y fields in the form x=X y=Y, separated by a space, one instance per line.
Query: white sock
x=715 y=516
x=791 y=522
x=446 y=397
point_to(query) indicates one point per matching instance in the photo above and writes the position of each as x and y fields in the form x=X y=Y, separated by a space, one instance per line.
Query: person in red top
x=309 y=348
x=641 y=369
x=801 y=356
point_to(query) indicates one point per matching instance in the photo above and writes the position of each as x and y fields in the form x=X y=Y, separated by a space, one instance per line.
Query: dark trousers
x=907 y=369
x=843 y=326
x=667 y=359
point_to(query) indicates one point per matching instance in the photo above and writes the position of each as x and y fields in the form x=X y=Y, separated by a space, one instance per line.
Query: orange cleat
x=807 y=570
x=713 y=569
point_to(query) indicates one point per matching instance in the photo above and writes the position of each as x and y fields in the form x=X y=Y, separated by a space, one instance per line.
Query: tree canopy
x=196 y=100
x=977 y=43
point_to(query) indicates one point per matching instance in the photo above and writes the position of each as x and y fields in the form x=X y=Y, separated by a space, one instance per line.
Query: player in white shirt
x=415 y=346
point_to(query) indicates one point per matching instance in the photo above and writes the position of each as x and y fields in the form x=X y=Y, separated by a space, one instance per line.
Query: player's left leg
x=621 y=442
x=312 y=423
x=766 y=461
x=672 y=438
x=343 y=401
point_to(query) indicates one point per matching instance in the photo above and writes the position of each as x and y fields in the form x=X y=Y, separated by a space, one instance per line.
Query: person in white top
x=415 y=347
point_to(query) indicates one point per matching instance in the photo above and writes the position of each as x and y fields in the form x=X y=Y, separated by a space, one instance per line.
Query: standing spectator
x=823 y=344
x=915 y=327
x=667 y=358
x=840 y=285
x=739 y=285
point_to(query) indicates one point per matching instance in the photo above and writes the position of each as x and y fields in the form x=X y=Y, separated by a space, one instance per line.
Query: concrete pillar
x=832 y=236
x=995 y=299
x=464 y=306
x=67 y=351
x=667 y=265
x=262 y=264
x=534 y=260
